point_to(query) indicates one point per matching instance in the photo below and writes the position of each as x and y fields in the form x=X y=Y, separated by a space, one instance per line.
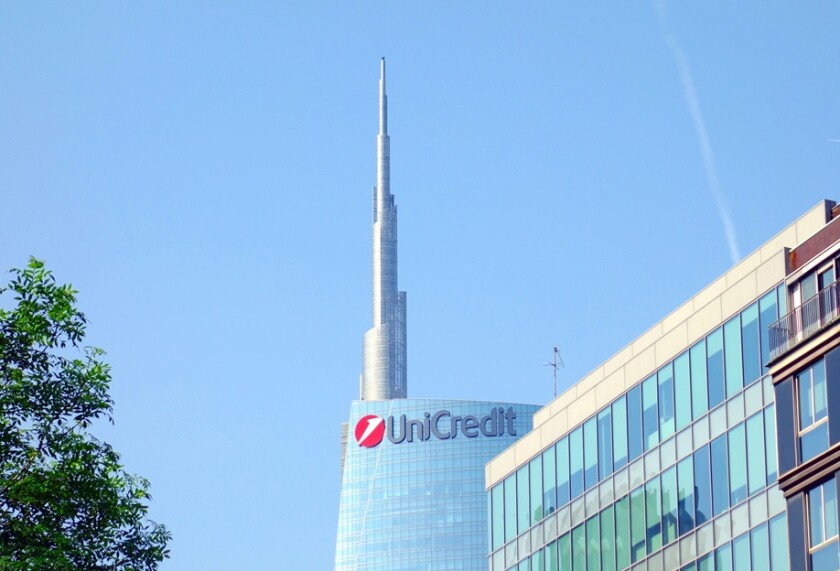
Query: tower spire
x=384 y=361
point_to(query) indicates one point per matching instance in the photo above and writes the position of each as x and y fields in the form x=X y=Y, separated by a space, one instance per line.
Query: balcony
x=805 y=321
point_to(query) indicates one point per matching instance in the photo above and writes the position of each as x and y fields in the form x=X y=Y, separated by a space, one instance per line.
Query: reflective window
x=635 y=433
x=563 y=486
x=669 y=505
x=605 y=445
x=551 y=563
x=770 y=440
x=564 y=552
x=702 y=486
x=699 y=385
x=510 y=508
x=651 y=412
x=523 y=519
x=579 y=548
x=637 y=524
x=813 y=413
x=682 y=391
x=667 y=424
x=619 y=418
x=608 y=540
x=714 y=367
x=593 y=544
x=536 y=489
x=737 y=465
x=822 y=526
x=497 y=518
x=720 y=475
x=549 y=481
x=734 y=363
x=622 y=532
x=741 y=553
x=653 y=510
x=779 y=558
x=768 y=313
x=723 y=558
x=756 y=463
x=751 y=344
x=760 y=543
x=590 y=452
x=576 y=460
x=685 y=496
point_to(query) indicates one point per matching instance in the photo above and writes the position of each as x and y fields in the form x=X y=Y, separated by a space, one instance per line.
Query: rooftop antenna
x=556 y=361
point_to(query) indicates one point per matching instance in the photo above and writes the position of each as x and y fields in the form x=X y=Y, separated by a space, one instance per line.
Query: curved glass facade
x=413 y=495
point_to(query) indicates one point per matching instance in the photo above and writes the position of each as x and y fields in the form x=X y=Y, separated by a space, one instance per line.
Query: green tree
x=65 y=501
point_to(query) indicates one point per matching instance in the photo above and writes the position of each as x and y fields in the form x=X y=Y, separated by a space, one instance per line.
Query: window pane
x=653 y=505
x=770 y=441
x=737 y=464
x=634 y=423
x=510 y=508
x=706 y=563
x=564 y=552
x=576 y=460
x=806 y=400
x=741 y=552
x=522 y=507
x=497 y=520
x=551 y=557
x=685 y=503
x=750 y=344
x=714 y=367
x=579 y=548
x=669 y=505
x=699 y=384
x=809 y=286
x=622 y=532
x=682 y=391
x=830 y=500
x=782 y=293
x=814 y=441
x=720 y=475
x=593 y=544
x=651 y=412
x=820 y=410
x=665 y=378
x=637 y=524
x=760 y=548
x=536 y=489
x=537 y=561
x=590 y=452
x=619 y=418
x=607 y=540
x=563 y=489
x=605 y=445
x=779 y=543
x=723 y=559
x=702 y=486
x=734 y=362
x=768 y=311
x=549 y=481
x=826 y=558
x=756 y=463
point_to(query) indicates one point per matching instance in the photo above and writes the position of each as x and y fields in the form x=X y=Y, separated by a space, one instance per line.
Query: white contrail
x=693 y=103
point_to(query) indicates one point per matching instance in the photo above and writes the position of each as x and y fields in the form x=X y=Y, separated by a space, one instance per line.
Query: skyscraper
x=384 y=349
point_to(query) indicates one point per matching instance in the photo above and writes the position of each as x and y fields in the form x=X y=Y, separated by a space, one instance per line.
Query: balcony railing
x=805 y=321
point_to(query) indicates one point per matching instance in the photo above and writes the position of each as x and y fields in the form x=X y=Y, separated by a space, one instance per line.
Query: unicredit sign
x=443 y=425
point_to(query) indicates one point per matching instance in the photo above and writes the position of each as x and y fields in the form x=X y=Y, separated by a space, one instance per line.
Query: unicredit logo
x=443 y=425
x=369 y=430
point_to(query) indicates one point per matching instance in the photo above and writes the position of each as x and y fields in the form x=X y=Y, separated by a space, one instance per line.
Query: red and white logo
x=369 y=430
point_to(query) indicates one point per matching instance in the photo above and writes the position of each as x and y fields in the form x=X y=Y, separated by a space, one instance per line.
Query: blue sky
x=202 y=173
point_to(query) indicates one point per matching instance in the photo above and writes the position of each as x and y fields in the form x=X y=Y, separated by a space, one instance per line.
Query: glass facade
x=420 y=504
x=677 y=473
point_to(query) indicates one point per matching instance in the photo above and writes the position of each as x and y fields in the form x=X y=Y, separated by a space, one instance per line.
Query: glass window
x=524 y=565
x=607 y=540
x=537 y=561
x=714 y=367
x=779 y=543
x=669 y=505
x=605 y=445
x=564 y=552
x=723 y=558
x=702 y=486
x=720 y=475
x=651 y=412
x=665 y=377
x=549 y=481
x=685 y=497
x=750 y=344
x=682 y=391
x=737 y=465
x=813 y=413
x=734 y=361
x=699 y=385
x=497 y=521
x=510 y=508
x=822 y=526
x=768 y=314
x=637 y=524
x=551 y=557
x=522 y=508
x=756 y=463
x=536 y=489
x=593 y=544
x=653 y=510
x=563 y=487
x=706 y=563
x=760 y=548
x=579 y=548
x=808 y=286
x=770 y=439
x=590 y=452
x=741 y=552
x=635 y=434
x=576 y=460
x=619 y=420
x=622 y=532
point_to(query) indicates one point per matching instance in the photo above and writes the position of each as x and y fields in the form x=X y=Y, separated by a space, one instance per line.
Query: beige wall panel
x=770 y=272
x=552 y=430
x=526 y=448
x=735 y=298
x=812 y=221
x=618 y=360
x=678 y=316
x=709 y=293
x=499 y=467
x=640 y=367
x=647 y=338
x=589 y=381
x=743 y=268
x=609 y=389
x=582 y=409
x=704 y=320
x=671 y=344
x=784 y=239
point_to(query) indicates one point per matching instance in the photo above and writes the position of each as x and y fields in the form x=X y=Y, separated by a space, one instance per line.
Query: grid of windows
x=662 y=499
x=813 y=411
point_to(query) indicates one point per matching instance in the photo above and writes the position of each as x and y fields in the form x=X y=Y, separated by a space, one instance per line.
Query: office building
x=708 y=443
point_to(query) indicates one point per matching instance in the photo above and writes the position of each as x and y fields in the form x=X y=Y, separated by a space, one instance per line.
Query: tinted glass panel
x=768 y=311
x=669 y=505
x=637 y=524
x=667 y=423
x=741 y=553
x=590 y=452
x=723 y=558
x=702 y=486
x=737 y=464
x=549 y=480
x=622 y=532
x=650 y=395
x=760 y=548
x=686 y=501
x=510 y=508
x=714 y=367
x=720 y=475
x=579 y=548
x=607 y=540
x=750 y=344
x=653 y=505
x=576 y=460
x=497 y=521
x=563 y=487
x=682 y=391
x=756 y=462
x=619 y=419
x=522 y=504
x=551 y=563
x=605 y=445
x=564 y=552
x=770 y=442
x=536 y=489
x=779 y=543
x=699 y=386
x=734 y=362
x=593 y=544
x=635 y=436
